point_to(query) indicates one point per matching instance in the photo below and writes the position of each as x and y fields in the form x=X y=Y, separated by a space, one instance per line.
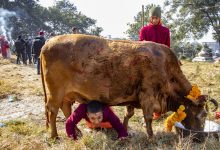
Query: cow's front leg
x=146 y=105
x=148 y=120
x=129 y=113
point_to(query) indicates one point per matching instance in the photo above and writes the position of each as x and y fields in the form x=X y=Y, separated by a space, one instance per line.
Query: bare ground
x=21 y=83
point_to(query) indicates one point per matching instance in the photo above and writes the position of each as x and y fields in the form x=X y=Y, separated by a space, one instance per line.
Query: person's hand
x=123 y=138
x=78 y=133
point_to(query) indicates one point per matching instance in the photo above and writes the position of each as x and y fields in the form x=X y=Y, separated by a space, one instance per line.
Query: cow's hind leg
x=53 y=105
x=53 y=111
x=129 y=113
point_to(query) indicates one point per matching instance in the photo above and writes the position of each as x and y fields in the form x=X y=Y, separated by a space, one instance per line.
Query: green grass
x=31 y=133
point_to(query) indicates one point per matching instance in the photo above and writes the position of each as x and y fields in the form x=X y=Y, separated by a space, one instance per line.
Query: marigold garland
x=194 y=93
x=175 y=117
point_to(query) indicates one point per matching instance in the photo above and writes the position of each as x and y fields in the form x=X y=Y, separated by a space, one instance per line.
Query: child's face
x=155 y=20
x=95 y=118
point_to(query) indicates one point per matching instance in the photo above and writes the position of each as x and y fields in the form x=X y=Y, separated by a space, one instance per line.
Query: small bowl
x=211 y=129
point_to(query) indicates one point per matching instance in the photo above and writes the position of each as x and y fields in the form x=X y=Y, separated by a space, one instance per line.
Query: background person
x=75 y=30
x=20 y=50
x=28 y=49
x=155 y=31
x=38 y=43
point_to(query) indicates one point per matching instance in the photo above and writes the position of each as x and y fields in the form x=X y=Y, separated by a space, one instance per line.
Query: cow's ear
x=202 y=99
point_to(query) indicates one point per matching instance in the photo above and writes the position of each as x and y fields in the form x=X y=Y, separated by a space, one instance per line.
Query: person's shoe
x=156 y=116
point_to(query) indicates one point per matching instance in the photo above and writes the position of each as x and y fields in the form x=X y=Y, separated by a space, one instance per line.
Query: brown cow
x=136 y=74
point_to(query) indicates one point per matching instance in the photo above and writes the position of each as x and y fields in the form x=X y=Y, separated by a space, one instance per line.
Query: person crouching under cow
x=97 y=115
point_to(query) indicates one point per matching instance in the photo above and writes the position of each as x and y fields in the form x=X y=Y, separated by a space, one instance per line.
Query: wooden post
x=142 y=18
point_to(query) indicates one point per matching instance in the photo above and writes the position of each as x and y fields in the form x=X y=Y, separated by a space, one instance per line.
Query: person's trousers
x=19 y=55
x=29 y=57
x=38 y=65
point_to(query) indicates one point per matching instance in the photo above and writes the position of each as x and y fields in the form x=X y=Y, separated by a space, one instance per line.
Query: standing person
x=97 y=115
x=4 y=47
x=28 y=49
x=38 y=43
x=20 y=50
x=155 y=31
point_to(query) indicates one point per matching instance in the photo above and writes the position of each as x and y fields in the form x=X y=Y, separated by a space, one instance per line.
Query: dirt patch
x=21 y=93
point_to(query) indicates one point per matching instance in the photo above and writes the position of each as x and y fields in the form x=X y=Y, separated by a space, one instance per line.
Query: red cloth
x=217 y=115
x=4 y=49
x=156 y=33
x=102 y=125
x=80 y=113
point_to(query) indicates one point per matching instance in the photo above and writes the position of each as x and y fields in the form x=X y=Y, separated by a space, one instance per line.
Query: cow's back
x=94 y=68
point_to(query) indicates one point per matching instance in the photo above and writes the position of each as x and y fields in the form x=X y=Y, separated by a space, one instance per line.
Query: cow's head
x=179 y=87
x=196 y=112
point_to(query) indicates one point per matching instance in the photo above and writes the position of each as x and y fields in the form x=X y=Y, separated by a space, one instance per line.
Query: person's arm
x=168 y=39
x=142 y=34
x=115 y=122
x=72 y=121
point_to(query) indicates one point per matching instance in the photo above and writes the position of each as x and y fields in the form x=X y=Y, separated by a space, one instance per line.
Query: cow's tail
x=45 y=94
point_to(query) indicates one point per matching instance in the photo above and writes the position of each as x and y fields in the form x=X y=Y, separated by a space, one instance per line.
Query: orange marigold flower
x=194 y=93
x=175 y=117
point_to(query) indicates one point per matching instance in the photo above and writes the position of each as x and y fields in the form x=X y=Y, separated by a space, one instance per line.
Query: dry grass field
x=24 y=120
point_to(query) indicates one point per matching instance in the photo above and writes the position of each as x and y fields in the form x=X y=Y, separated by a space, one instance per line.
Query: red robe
x=109 y=118
x=5 y=48
x=156 y=33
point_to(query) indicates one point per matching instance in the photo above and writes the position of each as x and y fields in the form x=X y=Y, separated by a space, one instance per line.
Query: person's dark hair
x=94 y=106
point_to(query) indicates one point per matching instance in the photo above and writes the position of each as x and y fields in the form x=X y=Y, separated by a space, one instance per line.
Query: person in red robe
x=4 y=47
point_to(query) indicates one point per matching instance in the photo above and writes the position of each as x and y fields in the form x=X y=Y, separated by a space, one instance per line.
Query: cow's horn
x=215 y=103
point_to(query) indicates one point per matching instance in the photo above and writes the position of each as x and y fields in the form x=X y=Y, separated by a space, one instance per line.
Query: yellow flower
x=175 y=117
x=194 y=93
x=181 y=108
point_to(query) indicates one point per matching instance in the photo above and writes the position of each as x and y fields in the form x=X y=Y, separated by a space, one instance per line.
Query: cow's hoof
x=53 y=140
x=151 y=140
x=55 y=137
x=131 y=133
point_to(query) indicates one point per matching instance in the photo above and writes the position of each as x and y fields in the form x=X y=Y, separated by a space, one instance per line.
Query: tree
x=64 y=15
x=96 y=31
x=133 y=31
x=31 y=18
x=193 y=18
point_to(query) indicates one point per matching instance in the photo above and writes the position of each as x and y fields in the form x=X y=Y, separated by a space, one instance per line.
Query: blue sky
x=112 y=15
